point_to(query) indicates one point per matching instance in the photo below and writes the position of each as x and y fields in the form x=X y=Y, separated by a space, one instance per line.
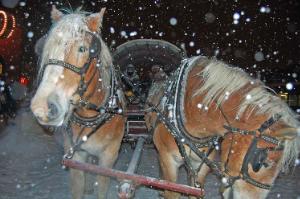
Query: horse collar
x=173 y=102
x=105 y=113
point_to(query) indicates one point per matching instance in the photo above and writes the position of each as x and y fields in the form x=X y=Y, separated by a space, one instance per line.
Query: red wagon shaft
x=144 y=180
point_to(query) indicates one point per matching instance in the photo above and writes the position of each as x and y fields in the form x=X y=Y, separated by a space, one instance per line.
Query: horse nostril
x=38 y=112
x=53 y=110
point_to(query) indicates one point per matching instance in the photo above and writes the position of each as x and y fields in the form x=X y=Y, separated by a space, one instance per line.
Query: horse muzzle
x=49 y=114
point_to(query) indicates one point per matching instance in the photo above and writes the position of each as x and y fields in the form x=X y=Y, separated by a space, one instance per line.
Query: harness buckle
x=197 y=184
x=69 y=154
x=82 y=102
x=112 y=103
x=170 y=108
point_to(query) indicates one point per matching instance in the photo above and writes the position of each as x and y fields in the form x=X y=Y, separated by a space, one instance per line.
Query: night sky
x=254 y=35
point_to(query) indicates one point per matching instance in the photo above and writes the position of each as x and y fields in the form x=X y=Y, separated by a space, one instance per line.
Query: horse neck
x=97 y=91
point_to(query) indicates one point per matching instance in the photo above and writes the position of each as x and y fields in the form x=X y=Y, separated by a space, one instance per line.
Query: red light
x=24 y=81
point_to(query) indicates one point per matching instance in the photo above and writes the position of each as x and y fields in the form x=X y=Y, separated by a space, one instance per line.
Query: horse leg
x=201 y=176
x=106 y=159
x=89 y=179
x=77 y=177
x=169 y=168
x=205 y=169
x=168 y=151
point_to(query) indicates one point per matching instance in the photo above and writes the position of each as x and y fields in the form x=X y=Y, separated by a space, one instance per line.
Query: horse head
x=258 y=161
x=73 y=50
x=155 y=93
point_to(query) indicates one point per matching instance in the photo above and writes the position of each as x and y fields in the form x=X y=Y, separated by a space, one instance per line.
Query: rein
x=172 y=119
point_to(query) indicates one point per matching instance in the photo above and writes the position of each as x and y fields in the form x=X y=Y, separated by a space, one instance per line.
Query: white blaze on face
x=51 y=90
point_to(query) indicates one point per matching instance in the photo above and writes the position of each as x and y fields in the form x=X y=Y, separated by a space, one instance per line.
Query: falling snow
x=265 y=9
x=236 y=16
x=22 y=3
x=132 y=34
x=30 y=34
x=260 y=37
x=123 y=34
x=192 y=44
x=209 y=17
x=259 y=56
x=199 y=106
x=289 y=86
x=224 y=180
x=112 y=30
x=84 y=138
x=173 y=21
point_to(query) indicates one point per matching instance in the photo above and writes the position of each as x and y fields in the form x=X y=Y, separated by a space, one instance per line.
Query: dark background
x=203 y=27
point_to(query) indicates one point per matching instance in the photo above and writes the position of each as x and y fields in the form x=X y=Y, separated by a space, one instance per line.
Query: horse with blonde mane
x=207 y=108
x=78 y=89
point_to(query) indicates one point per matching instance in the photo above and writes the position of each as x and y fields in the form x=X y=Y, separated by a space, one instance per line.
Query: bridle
x=105 y=112
x=255 y=156
x=94 y=52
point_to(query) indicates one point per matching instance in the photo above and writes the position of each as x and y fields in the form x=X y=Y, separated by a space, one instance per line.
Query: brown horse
x=78 y=88
x=205 y=102
x=155 y=93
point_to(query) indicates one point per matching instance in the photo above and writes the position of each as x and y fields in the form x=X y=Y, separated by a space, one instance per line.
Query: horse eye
x=266 y=164
x=82 y=49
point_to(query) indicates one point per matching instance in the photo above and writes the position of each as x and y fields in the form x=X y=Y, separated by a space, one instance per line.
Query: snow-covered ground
x=30 y=167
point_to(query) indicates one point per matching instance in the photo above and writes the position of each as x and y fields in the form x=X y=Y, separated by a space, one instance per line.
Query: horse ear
x=94 y=21
x=287 y=133
x=56 y=15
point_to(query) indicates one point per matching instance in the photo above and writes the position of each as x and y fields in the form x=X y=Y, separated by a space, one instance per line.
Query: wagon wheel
x=144 y=53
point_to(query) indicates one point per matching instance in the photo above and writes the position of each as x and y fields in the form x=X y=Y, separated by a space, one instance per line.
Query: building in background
x=11 y=44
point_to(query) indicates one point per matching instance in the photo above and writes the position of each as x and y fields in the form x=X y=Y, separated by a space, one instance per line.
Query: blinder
x=259 y=159
x=95 y=47
x=255 y=156
x=94 y=51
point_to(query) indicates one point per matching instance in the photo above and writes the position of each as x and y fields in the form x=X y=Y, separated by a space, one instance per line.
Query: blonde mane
x=70 y=28
x=221 y=81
